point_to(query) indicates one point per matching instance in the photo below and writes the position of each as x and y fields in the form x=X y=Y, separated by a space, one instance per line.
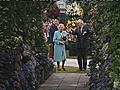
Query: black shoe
x=64 y=69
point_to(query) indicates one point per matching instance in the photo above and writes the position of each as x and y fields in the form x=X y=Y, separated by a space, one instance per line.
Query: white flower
x=116 y=84
x=73 y=9
x=6 y=8
x=97 y=66
x=74 y=4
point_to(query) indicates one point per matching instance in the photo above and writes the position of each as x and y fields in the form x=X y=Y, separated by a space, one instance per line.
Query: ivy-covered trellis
x=105 y=63
x=23 y=50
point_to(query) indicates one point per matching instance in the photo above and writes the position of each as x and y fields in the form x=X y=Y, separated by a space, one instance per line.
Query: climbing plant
x=23 y=49
x=104 y=66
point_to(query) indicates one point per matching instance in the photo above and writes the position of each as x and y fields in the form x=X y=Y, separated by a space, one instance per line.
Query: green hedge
x=105 y=68
x=23 y=48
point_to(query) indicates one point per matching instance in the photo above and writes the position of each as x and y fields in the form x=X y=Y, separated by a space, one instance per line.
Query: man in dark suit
x=53 y=28
x=83 y=43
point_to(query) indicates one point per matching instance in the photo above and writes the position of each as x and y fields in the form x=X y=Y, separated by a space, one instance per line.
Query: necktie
x=81 y=30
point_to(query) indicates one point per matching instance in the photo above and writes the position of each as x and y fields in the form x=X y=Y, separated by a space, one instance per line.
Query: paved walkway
x=65 y=81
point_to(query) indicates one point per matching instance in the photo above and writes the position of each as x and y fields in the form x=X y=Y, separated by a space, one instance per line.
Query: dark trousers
x=82 y=58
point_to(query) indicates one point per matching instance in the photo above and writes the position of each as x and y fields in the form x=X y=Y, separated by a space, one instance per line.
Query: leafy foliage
x=23 y=49
x=53 y=11
x=105 y=68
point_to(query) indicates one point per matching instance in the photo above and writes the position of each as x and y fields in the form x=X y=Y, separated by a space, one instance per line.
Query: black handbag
x=66 y=47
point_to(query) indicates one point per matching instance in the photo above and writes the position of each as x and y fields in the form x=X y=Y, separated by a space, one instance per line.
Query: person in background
x=59 y=39
x=83 y=43
x=47 y=30
x=53 y=28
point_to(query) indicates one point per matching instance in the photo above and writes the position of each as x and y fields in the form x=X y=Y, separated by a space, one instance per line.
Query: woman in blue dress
x=59 y=39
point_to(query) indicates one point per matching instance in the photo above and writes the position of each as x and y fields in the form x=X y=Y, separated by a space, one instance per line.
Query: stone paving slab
x=65 y=81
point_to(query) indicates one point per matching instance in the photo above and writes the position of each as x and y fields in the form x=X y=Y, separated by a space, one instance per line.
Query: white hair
x=60 y=25
x=80 y=20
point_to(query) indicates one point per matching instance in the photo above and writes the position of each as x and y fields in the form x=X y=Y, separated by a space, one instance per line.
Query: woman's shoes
x=58 y=69
x=64 y=69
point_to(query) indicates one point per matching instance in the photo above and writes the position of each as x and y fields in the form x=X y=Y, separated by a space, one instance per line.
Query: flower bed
x=27 y=75
x=24 y=62
x=104 y=66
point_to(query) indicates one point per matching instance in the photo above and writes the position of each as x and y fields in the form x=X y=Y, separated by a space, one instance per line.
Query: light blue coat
x=59 y=49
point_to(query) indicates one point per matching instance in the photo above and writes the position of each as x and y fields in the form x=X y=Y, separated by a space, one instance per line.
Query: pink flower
x=84 y=33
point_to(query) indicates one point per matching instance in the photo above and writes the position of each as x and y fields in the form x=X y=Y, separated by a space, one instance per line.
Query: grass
x=72 y=57
x=70 y=69
x=75 y=57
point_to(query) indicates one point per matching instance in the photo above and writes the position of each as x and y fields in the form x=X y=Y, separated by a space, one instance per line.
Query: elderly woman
x=59 y=39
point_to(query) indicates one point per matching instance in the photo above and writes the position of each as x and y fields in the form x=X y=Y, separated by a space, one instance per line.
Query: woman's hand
x=62 y=42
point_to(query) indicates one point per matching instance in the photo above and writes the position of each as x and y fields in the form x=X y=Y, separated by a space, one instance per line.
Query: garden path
x=66 y=81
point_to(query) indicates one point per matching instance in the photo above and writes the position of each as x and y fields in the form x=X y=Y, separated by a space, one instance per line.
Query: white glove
x=62 y=42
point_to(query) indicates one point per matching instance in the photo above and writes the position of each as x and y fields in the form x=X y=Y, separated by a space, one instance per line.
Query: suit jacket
x=53 y=28
x=83 y=40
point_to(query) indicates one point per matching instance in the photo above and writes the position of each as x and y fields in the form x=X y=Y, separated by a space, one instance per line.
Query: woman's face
x=61 y=28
